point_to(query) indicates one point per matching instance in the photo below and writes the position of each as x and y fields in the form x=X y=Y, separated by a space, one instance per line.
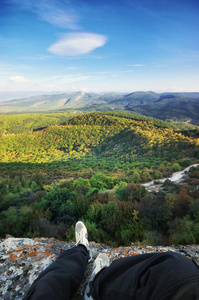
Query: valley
x=56 y=168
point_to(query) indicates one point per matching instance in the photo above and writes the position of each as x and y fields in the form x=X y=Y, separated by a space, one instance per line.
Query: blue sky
x=99 y=46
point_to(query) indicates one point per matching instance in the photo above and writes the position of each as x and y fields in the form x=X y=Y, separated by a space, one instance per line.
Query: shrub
x=153 y=238
x=94 y=233
x=136 y=177
x=16 y=221
x=184 y=231
x=154 y=212
x=94 y=213
x=82 y=204
x=111 y=217
x=176 y=167
x=82 y=182
x=101 y=181
x=126 y=235
x=44 y=228
x=120 y=191
x=131 y=192
x=61 y=204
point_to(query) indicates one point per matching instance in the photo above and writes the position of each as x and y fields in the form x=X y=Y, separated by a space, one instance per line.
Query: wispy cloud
x=74 y=44
x=9 y=42
x=71 y=68
x=60 y=82
x=70 y=78
x=56 y=12
x=18 y=78
x=137 y=65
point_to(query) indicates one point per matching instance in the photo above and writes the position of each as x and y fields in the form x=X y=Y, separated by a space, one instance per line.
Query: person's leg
x=154 y=276
x=62 y=278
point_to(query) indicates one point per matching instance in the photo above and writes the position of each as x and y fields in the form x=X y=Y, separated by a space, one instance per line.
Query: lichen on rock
x=22 y=259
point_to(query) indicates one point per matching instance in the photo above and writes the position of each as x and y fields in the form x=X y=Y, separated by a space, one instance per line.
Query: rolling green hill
x=104 y=139
x=18 y=123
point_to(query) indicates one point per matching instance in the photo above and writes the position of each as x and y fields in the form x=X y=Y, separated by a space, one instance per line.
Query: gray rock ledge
x=22 y=259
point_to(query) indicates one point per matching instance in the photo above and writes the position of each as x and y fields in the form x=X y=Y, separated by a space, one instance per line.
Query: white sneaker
x=101 y=262
x=81 y=236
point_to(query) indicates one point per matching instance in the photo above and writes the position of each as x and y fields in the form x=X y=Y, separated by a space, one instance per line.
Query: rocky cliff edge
x=22 y=259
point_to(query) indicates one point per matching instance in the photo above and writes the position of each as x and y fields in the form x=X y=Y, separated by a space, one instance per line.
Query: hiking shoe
x=101 y=262
x=81 y=236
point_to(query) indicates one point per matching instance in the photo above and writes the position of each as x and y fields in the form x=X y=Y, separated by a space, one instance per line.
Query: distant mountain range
x=165 y=106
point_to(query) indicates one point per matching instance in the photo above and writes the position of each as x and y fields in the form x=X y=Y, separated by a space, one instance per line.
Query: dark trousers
x=152 y=276
x=62 y=278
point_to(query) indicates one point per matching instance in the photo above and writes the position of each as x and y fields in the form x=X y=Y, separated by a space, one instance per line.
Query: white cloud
x=58 y=16
x=18 y=79
x=74 y=44
x=56 y=12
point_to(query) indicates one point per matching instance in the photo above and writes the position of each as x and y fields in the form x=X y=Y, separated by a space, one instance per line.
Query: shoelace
x=81 y=235
x=101 y=263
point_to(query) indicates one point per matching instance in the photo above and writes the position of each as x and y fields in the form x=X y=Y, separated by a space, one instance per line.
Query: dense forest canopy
x=59 y=167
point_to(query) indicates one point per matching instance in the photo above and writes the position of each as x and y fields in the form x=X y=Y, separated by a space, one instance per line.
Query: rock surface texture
x=21 y=261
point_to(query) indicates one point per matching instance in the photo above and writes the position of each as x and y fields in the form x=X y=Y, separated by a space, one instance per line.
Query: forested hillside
x=29 y=122
x=98 y=135
x=59 y=169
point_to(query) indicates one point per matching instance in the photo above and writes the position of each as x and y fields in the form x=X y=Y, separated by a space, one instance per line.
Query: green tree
x=61 y=204
x=136 y=177
x=82 y=182
x=111 y=217
x=154 y=212
x=131 y=192
x=101 y=181
x=176 y=167
x=94 y=213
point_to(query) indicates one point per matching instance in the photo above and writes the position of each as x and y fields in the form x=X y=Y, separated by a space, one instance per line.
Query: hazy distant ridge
x=175 y=106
